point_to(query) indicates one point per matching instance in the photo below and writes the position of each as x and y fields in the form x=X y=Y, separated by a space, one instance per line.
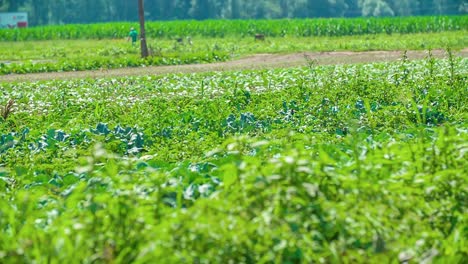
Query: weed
x=7 y=110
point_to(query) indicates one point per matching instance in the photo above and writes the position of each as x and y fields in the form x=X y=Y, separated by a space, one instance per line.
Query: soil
x=258 y=61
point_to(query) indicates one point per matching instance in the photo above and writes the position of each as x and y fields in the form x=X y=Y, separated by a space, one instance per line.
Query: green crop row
x=336 y=164
x=74 y=55
x=245 y=28
x=78 y=64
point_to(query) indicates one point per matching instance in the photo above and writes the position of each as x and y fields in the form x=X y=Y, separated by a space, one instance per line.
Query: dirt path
x=259 y=61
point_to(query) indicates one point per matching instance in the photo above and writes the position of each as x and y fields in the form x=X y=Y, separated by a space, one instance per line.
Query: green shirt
x=133 y=34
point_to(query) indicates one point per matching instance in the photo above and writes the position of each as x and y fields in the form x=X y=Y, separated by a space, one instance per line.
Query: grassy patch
x=76 y=55
x=316 y=164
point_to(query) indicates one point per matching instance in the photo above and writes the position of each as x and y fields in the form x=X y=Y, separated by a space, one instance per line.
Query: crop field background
x=362 y=163
x=104 y=46
x=247 y=28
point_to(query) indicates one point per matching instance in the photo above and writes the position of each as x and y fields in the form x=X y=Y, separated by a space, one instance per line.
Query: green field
x=75 y=55
x=104 y=46
x=246 y=28
x=320 y=164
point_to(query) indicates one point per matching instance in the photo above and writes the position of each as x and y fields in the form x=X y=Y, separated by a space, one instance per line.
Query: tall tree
x=161 y=10
x=376 y=8
x=352 y=9
x=404 y=7
x=42 y=12
x=124 y=10
x=450 y=7
x=182 y=9
x=203 y=9
x=318 y=8
x=284 y=6
x=39 y=14
x=337 y=8
x=57 y=10
x=235 y=9
x=14 y=5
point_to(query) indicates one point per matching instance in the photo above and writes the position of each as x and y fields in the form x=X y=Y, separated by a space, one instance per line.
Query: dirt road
x=259 y=61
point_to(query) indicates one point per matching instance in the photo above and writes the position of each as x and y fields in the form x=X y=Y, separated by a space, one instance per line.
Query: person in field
x=133 y=35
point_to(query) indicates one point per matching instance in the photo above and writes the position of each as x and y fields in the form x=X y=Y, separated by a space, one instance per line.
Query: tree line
x=44 y=12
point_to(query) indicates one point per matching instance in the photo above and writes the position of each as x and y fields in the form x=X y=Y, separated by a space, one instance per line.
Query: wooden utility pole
x=141 y=14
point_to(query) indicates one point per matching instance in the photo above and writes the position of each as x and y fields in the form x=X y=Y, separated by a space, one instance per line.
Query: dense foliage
x=109 y=62
x=44 y=12
x=352 y=164
x=242 y=28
